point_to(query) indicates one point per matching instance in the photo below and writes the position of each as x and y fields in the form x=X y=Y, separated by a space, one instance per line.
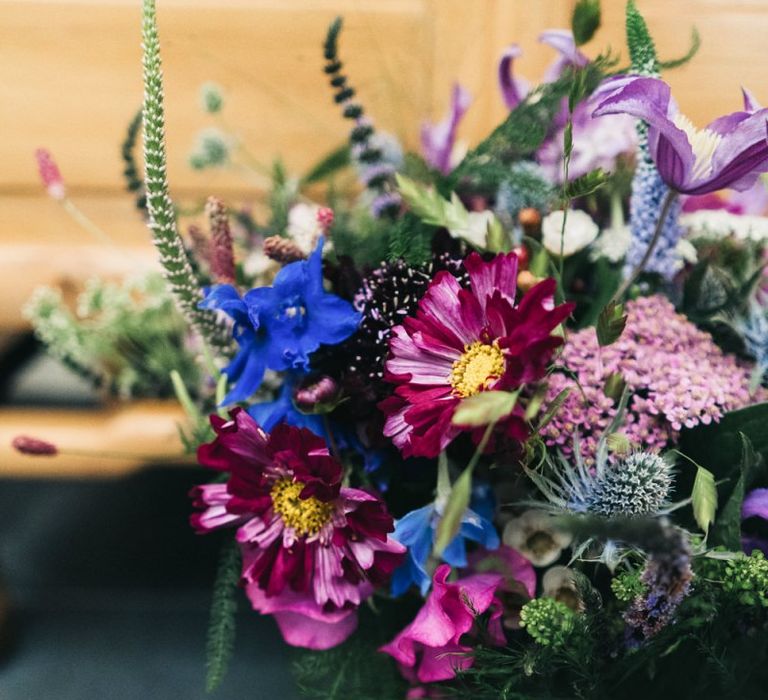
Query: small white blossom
x=612 y=244
x=534 y=535
x=476 y=228
x=580 y=231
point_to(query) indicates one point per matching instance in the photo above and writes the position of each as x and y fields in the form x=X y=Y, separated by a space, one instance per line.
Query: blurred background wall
x=72 y=81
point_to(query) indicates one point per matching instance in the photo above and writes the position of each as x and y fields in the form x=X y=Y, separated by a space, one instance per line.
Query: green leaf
x=614 y=385
x=586 y=184
x=427 y=204
x=221 y=627
x=485 y=407
x=496 y=239
x=553 y=408
x=610 y=324
x=727 y=531
x=330 y=164
x=585 y=20
x=704 y=498
x=457 y=504
x=692 y=51
x=642 y=51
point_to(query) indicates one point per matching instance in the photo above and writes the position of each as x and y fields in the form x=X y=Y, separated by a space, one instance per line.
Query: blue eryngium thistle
x=753 y=329
x=638 y=484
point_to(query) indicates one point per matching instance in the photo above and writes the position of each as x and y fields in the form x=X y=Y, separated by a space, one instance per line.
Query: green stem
x=665 y=207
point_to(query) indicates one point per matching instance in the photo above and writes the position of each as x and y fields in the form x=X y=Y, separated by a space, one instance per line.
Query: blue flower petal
x=332 y=319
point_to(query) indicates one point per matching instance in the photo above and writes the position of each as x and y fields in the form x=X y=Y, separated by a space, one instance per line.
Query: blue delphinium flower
x=416 y=530
x=278 y=327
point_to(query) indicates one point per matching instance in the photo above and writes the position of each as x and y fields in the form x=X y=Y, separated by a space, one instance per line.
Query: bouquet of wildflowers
x=494 y=426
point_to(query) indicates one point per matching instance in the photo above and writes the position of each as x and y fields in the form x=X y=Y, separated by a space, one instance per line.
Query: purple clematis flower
x=437 y=140
x=730 y=152
x=597 y=143
x=755 y=505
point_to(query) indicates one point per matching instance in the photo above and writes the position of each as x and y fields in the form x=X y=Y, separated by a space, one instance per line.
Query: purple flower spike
x=437 y=140
x=731 y=151
x=513 y=90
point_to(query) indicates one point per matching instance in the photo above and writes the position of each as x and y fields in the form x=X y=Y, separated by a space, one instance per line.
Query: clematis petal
x=437 y=140
x=513 y=90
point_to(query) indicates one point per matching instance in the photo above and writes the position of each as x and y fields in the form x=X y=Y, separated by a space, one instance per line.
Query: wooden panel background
x=71 y=80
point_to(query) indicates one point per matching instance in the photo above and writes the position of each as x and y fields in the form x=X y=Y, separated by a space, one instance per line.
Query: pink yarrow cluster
x=679 y=379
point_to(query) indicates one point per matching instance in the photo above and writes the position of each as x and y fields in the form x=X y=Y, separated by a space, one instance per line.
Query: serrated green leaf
x=221 y=627
x=586 y=184
x=610 y=324
x=585 y=20
x=457 y=505
x=429 y=206
x=484 y=408
x=704 y=498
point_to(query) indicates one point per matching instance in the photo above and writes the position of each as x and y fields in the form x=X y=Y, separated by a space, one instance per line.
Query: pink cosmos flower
x=312 y=550
x=435 y=644
x=462 y=342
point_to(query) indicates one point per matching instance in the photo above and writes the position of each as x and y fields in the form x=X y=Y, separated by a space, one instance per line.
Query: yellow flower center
x=703 y=143
x=479 y=365
x=305 y=515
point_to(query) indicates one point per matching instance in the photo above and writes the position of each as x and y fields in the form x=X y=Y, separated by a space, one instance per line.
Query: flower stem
x=665 y=207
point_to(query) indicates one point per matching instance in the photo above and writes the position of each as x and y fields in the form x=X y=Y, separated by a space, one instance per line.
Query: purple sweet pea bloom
x=731 y=151
x=437 y=140
x=755 y=505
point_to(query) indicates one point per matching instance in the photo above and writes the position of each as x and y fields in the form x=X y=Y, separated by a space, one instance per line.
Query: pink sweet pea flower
x=435 y=644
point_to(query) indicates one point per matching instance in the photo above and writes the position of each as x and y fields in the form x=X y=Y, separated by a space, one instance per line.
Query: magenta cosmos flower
x=731 y=151
x=435 y=644
x=462 y=342
x=312 y=551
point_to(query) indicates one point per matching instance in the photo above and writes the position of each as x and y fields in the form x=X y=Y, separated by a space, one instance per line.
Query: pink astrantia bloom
x=462 y=342
x=312 y=551
x=436 y=643
x=678 y=377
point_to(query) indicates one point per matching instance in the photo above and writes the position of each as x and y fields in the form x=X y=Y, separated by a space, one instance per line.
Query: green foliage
x=484 y=408
x=431 y=207
x=704 y=498
x=642 y=51
x=221 y=625
x=125 y=337
x=586 y=184
x=548 y=621
x=610 y=324
x=162 y=216
x=747 y=579
x=410 y=239
x=627 y=586
x=585 y=20
x=682 y=60
x=728 y=532
x=327 y=166
x=458 y=502
x=526 y=126
x=133 y=181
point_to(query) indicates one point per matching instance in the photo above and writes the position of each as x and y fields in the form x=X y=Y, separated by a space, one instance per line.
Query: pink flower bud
x=49 y=174
x=325 y=218
x=33 y=446
x=222 y=256
x=317 y=396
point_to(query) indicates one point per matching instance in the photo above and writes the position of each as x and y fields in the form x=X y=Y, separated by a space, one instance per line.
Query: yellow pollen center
x=479 y=365
x=703 y=143
x=305 y=515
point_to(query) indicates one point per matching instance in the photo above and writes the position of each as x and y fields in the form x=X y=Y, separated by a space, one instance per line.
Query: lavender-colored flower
x=50 y=174
x=731 y=151
x=437 y=140
x=668 y=576
x=677 y=376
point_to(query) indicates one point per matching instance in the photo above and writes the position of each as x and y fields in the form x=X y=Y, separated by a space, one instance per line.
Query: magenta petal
x=302 y=631
x=513 y=90
x=755 y=505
